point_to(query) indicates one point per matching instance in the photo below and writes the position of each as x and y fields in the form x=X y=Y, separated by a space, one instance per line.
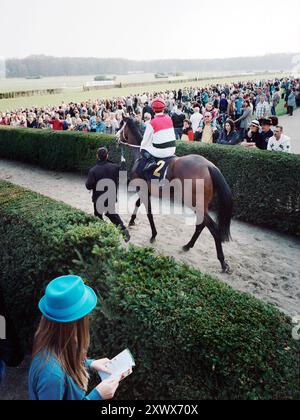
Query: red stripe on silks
x=161 y=122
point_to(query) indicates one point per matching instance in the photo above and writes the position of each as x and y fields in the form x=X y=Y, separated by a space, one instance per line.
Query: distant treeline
x=46 y=66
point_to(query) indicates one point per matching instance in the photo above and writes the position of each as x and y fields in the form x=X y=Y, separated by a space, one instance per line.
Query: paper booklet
x=122 y=365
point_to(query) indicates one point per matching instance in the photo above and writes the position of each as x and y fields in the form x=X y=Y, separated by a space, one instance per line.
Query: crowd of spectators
x=227 y=114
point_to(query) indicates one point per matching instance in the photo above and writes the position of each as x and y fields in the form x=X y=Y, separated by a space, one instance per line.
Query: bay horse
x=191 y=167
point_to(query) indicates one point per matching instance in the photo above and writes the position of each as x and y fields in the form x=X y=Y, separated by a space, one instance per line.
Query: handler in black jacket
x=102 y=171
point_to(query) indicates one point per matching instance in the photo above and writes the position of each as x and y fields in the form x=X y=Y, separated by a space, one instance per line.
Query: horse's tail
x=225 y=203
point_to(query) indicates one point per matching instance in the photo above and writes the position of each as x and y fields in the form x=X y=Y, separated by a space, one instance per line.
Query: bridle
x=121 y=132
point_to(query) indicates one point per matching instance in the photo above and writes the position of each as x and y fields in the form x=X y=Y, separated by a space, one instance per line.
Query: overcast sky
x=151 y=29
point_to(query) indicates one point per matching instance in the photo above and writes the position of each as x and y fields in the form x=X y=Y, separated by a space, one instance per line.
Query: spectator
x=245 y=119
x=253 y=135
x=93 y=123
x=291 y=102
x=100 y=126
x=129 y=105
x=114 y=123
x=275 y=101
x=266 y=134
x=47 y=120
x=223 y=104
x=231 y=111
x=229 y=136
x=298 y=95
x=279 y=142
x=208 y=130
x=179 y=96
x=239 y=102
x=108 y=124
x=67 y=123
x=83 y=116
x=57 y=124
x=147 y=110
x=216 y=101
x=205 y=98
x=196 y=119
x=178 y=118
x=147 y=118
x=59 y=370
x=187 y=133
x=141 y=125
x=213 y=111
x=262 y=108
x=32 y=122
x=83 y=125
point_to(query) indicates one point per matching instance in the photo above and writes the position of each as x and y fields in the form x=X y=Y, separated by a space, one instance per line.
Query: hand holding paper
x=120 y=367
x=101 y=366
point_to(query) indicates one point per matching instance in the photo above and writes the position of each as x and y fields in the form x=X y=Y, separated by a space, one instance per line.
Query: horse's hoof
x=226 y=268
x=131 y=224
x=152 y=240
x=186 y=248
x=126 y=236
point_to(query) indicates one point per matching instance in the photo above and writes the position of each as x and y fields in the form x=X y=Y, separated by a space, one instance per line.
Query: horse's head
x=128 y=133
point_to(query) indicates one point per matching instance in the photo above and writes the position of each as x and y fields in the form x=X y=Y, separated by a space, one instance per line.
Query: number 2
x=157 y=171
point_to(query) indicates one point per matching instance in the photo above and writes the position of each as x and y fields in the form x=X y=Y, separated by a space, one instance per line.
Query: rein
x=129 y=145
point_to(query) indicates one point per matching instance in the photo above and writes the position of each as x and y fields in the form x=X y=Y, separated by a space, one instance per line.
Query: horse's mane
x=131 y=124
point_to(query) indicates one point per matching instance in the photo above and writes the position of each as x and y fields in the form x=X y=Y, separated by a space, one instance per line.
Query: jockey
x=159 y=139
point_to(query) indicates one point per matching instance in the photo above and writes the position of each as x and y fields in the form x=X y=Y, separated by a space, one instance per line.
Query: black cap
x=265 y=121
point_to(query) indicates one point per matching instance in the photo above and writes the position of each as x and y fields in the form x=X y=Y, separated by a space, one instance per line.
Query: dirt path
x=264 y=263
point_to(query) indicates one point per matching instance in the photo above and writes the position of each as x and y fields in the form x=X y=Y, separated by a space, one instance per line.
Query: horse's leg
x=213 y=228
x=133 y=217
x=151 y=220
x=198 y=231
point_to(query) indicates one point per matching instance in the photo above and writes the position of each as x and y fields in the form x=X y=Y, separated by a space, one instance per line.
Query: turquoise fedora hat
x=67 y=299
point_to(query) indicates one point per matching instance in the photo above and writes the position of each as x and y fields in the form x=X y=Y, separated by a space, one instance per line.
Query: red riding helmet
x=158 y=105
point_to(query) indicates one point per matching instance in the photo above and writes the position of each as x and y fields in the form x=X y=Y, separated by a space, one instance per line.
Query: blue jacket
x=239 y=106
x=48 y=382
x=100 y=128
x=231 y=140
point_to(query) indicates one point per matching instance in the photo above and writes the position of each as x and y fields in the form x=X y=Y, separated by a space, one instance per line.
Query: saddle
x=159 y=173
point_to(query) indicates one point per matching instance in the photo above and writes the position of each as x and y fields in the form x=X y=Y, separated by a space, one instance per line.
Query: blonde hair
x=68 y=343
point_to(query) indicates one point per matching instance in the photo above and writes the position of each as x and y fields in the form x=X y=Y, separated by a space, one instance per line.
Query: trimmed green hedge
x=55 y=150
x=265 y=185
x=39 y=241
x=192 y=336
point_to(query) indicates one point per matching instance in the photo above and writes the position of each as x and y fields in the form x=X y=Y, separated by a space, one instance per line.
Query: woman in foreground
x=59 y=370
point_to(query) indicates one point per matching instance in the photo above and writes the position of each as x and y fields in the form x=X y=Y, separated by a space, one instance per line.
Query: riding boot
x=150 y=165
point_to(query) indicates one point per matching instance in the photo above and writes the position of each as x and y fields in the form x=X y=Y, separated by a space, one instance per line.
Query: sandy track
x=265 y=264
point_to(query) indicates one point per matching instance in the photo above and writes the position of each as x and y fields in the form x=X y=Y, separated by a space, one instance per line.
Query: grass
x=73 y=88
x=281 y=110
